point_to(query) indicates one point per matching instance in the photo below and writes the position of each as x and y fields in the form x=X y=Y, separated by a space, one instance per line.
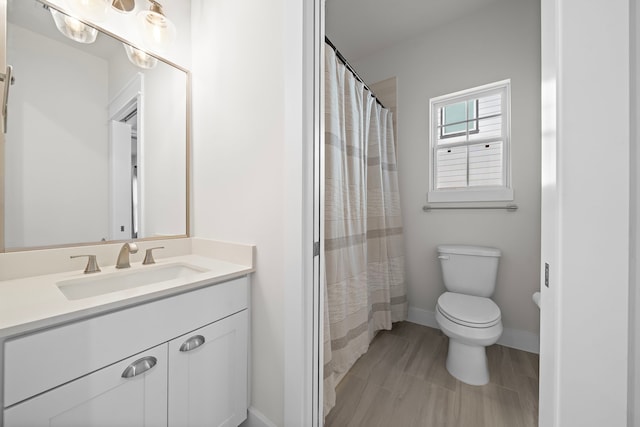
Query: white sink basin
x=100 y=283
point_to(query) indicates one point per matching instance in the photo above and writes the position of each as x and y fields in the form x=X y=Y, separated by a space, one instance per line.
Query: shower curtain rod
x=351 y=69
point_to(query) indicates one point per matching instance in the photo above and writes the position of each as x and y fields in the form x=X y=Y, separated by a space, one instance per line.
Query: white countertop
x=33 y=303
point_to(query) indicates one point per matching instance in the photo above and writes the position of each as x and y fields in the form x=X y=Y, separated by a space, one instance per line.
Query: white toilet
x=465 y=313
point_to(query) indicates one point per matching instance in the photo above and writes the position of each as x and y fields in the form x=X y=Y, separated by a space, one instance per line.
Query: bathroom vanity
x=128 y=344
x=167 y=353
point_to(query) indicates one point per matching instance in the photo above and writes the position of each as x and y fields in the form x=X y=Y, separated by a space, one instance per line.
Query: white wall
x=496 y=43
x=239 y=168
x=164 y=154
x=52 y=197
x=162 y=160
x=586 y=322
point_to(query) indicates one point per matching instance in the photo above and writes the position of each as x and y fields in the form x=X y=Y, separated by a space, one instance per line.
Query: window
x=454 y=119
x=469 y=145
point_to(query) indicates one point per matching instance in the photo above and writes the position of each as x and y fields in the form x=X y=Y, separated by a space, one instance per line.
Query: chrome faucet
x=123 y=256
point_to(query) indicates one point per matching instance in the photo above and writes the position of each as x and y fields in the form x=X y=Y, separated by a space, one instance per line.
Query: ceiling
x=359 y=28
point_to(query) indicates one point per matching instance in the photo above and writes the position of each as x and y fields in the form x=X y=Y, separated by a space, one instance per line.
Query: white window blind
x=470 y=145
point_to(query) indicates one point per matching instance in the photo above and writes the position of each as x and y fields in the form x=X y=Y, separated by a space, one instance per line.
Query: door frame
x=303 y=69
x=132 y=94
x=561 y=333
x=586 y=201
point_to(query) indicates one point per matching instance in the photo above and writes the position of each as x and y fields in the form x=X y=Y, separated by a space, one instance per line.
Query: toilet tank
x=470 y=270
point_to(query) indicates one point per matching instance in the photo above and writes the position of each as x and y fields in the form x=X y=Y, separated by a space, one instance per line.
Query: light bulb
x=158 y=32
x=93 y=10
x=140 y=58
x=73 y=28
x=73 y=24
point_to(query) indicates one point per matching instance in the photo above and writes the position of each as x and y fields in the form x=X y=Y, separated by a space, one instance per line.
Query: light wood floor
x=402 y=381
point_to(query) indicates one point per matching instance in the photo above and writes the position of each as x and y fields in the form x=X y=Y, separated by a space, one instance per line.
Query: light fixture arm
x=156 y=7
x=123 y=5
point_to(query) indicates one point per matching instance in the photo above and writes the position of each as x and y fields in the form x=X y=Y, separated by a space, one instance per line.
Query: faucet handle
x=148 y=257
x=92 y=264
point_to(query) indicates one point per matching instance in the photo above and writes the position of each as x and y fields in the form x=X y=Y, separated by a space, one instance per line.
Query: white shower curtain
x=364 y=260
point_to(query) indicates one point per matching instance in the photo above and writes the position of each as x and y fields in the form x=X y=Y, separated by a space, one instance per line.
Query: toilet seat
x=468 y=310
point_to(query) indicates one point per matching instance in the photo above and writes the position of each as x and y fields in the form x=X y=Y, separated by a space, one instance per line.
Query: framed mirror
x=96 y=148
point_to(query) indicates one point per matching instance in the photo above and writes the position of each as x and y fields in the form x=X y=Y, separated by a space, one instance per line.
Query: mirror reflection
x=96 y=147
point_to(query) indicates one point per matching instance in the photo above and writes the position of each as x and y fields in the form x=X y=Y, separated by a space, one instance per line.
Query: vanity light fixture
x=73 y=28
x=139 y=57
x=91 y=10
x=157 y=30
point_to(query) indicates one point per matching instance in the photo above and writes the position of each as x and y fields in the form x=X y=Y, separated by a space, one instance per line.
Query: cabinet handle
x=192 y=343
x=140 y=366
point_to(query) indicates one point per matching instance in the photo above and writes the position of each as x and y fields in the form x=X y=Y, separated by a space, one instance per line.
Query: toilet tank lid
x=469 y=250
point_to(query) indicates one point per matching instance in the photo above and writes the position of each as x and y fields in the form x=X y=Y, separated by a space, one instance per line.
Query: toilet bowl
x=465 y=313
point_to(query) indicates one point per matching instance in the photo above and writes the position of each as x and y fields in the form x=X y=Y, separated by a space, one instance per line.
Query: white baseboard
x=522 y=340
x=255 y=418
x=423 y=317
x=514 y=338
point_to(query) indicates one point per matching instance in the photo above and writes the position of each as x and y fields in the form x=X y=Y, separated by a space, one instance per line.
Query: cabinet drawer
x=61 y=354
x=103 y=398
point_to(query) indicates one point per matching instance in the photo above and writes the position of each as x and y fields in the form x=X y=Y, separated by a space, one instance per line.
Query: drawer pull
x=140 y=366
x=192 y=343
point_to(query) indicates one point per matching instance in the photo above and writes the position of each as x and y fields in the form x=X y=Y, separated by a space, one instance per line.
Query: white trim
x=588 y=311
x=319 y=219
x=131 y=90
x=466 y=94
x=302 y=113
x=521 y=340
x=634 y=227
x=548 y=377
x=514 y=338
x=470 y=194
x=422 y=317
x=256 y=418
x=131 y=97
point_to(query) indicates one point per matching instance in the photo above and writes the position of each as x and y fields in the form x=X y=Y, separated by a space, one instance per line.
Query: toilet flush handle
x=443 y=256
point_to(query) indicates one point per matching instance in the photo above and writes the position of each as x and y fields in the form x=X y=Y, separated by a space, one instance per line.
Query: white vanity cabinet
x=208 y=379
x=103 y=398
x=175 y=361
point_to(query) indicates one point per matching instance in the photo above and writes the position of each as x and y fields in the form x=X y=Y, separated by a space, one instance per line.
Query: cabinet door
x=208 y=375
x=103 y=398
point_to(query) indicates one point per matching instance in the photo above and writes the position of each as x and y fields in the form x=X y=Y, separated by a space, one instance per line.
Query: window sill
x=469 y=195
